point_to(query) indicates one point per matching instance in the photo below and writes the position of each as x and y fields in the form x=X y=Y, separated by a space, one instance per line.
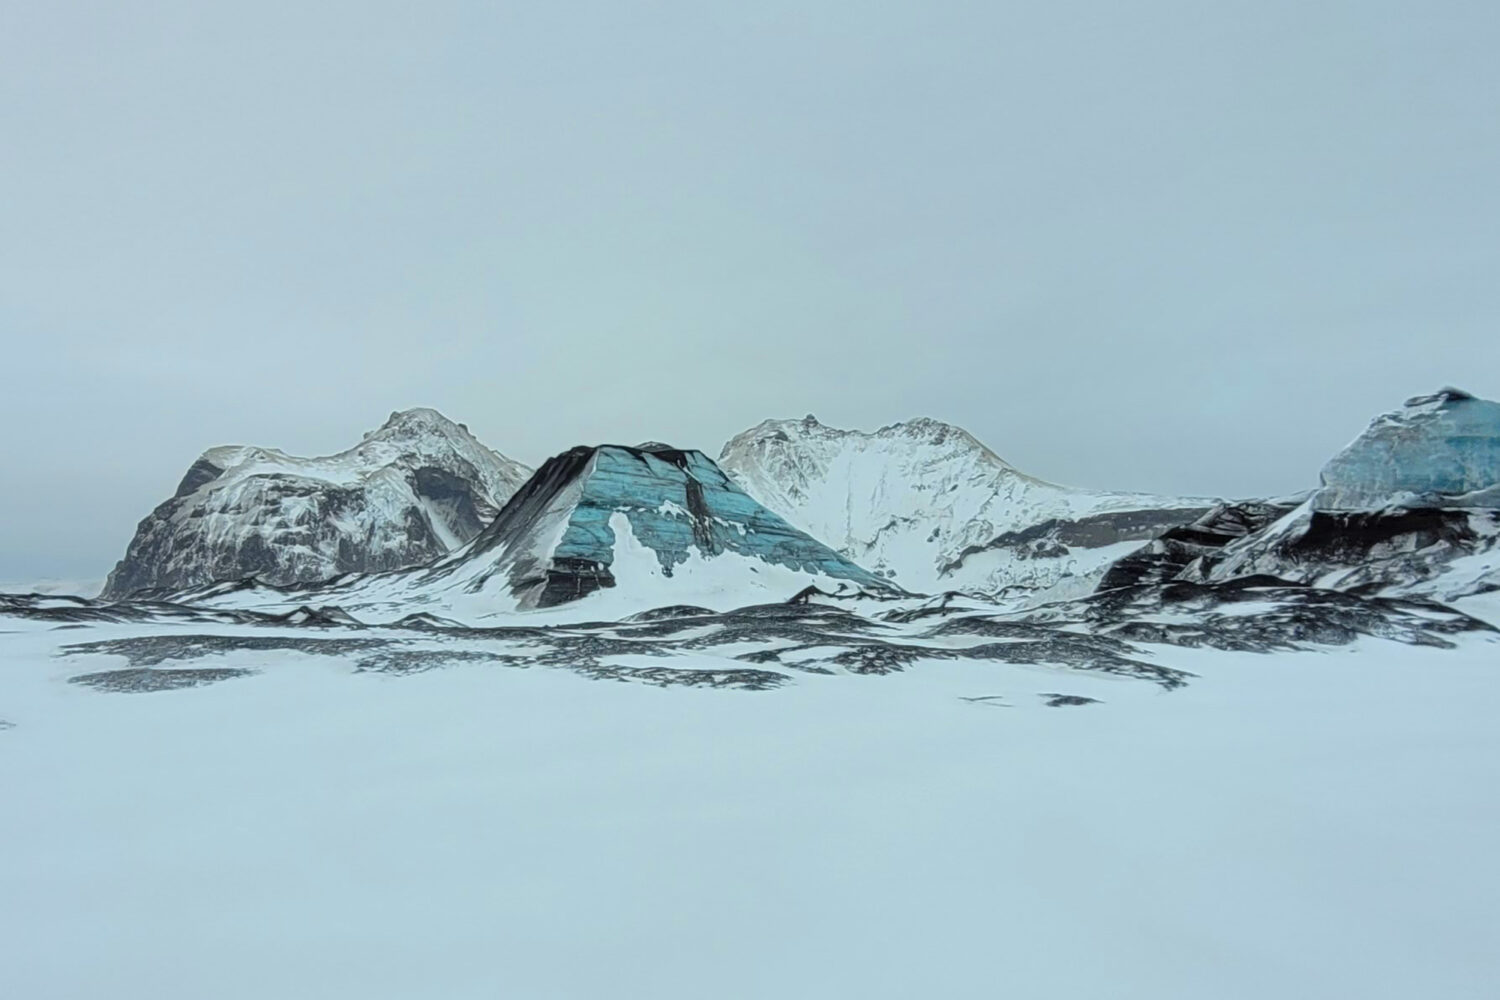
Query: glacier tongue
x=926 y=504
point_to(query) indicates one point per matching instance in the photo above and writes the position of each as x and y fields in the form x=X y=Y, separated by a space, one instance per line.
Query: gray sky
x=1182 y=247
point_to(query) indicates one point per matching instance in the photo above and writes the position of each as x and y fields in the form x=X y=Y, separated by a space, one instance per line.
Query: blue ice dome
x=1441 y=450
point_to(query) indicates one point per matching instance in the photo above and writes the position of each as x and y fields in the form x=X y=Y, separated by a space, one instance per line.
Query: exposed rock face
x=1411 y=507
x=926 y=504
x=1254 y=614
x=560 y=537
x=411 y=492
x=1444 y=553
x=1179 y=547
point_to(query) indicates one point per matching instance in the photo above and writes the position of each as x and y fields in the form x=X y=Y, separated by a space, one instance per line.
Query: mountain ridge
x=926 y=503
x=645 y=526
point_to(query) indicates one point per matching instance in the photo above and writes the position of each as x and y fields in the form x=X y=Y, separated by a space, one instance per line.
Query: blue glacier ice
x=1438 y=450
x=555 y=541
x=679 y=500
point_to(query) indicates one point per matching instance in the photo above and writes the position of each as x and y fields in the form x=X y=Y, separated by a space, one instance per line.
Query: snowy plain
x=1316 y=824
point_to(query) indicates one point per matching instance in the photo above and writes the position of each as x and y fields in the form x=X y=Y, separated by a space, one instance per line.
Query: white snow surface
x=1299 y=825
x=54 y=585
x=908 y=499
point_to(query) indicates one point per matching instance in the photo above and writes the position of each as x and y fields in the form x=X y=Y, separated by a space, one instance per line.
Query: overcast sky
x=1179 y=247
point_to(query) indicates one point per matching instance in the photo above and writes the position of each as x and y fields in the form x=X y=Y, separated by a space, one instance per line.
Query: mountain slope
x=927 y=505
x=410 y=492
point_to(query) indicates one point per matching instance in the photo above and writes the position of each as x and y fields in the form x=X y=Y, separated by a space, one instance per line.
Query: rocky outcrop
x=1179 y=547
x=409 y=493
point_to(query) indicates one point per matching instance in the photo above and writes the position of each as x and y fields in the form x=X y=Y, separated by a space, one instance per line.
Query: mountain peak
x=409 y=492
x=927 y=503
x=416 y=420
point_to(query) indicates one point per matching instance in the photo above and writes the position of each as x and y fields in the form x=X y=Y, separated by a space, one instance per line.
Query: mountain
x=631 y=528
x=1410 y=508
x=595 y=517
x=410 y=492
x=927 y=505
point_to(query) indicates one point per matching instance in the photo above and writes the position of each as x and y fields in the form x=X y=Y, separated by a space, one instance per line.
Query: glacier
x=1411 y=508
x=676 y=502
x=1437 y=450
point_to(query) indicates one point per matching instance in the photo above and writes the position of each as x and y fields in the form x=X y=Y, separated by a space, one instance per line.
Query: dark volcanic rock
x=1066 y=700
x=1178 y=547
x=1256 y=614
x=73 y=611
x=142 y=680
x=1055 y=537
x=1396 y=550
x=150 y=650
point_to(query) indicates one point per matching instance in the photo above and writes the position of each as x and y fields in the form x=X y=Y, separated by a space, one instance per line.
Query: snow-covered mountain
x=629 y=529
x=410 y=492
x=927 y=505
x=1410 y=508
